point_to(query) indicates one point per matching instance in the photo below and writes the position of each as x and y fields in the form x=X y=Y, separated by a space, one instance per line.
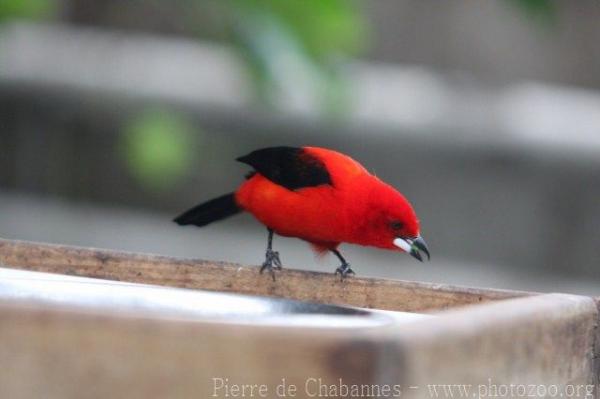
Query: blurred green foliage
x=542 y=11
x=29 y=9
x=157 y=148
x=293 y=50
x=323 y=28
x=310 y=40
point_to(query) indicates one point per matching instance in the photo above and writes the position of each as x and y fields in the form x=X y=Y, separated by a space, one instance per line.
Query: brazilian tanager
x=321 y=196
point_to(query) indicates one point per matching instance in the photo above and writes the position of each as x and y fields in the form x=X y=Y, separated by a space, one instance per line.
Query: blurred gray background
x=116 y=116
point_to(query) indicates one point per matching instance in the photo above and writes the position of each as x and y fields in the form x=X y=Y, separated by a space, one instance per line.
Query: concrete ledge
x=60 y=352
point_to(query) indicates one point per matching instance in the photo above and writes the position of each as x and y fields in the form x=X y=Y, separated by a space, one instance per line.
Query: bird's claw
x=271 y=263
x=344 y=270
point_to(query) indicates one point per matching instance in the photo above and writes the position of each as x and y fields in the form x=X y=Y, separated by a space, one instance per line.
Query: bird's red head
x=391 y=223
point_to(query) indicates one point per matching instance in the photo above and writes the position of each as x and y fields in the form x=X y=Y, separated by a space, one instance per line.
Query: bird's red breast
x=325 y=198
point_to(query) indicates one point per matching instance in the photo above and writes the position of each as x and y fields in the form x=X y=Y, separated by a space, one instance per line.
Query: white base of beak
x=403 y=244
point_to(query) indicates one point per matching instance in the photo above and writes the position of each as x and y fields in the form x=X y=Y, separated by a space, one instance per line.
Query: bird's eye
x=396 y=225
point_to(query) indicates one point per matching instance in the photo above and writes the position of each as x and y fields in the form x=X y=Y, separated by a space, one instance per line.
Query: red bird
x=320 y=196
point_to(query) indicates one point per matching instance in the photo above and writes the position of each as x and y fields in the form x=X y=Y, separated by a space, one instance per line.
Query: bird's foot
x=271 y=263
x=344 y=270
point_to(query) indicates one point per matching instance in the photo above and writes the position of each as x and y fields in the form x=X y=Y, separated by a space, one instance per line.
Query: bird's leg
x=344 y=268
x=272 y=261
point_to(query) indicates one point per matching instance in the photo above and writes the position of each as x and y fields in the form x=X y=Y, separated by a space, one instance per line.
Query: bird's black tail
x=210 y=211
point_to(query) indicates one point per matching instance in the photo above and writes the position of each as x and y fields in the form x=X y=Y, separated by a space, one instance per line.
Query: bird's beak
x=413 y=246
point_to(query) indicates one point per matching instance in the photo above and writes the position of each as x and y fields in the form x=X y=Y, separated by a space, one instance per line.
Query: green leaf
x=543 y=11
x=157 y=146
x=295 y=45
x=31 y=9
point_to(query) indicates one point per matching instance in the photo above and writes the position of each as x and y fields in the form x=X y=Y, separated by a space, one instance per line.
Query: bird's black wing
x=290 y=167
